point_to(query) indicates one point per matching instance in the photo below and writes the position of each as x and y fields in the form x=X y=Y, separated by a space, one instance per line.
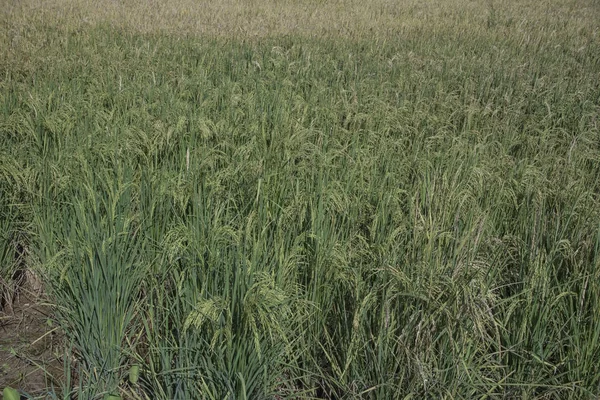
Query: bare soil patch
x=30 y=351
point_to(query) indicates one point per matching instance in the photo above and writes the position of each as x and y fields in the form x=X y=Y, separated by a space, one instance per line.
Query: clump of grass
x=93 y=273
x=8 y=257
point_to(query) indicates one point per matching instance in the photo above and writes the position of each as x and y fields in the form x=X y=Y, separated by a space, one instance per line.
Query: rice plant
x=393 y=201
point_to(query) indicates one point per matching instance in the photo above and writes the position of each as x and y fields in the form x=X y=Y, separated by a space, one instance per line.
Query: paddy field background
x=300 y=199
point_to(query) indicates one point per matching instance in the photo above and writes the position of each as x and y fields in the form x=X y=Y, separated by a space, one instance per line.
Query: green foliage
x=134 y=374
x=10 y=394
x=8 y=253
x=297 y=217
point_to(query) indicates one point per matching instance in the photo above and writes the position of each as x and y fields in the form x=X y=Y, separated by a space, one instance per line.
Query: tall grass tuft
x=95 y=277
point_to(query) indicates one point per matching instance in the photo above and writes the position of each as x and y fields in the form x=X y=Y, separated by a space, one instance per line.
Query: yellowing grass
x=314 y=18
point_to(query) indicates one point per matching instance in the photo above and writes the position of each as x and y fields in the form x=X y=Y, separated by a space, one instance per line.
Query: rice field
x=304 y=199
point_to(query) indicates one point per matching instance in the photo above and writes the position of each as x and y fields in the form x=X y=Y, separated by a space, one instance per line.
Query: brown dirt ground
x=30 y=359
